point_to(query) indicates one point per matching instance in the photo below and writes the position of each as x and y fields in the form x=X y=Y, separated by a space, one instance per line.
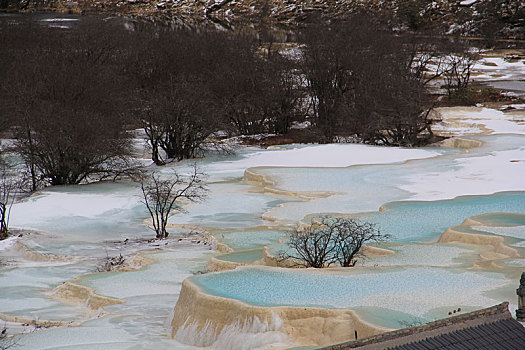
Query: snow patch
x=60 y=20
x=8 y=243
x=495 y=172
x=467 y=2
x=472 y=121
x=328 y=156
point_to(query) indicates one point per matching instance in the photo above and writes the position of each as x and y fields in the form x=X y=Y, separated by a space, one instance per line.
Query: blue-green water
x=245 y=256
x=250 y=239
x=416 y=290
x=425 y=221
x=501 y=219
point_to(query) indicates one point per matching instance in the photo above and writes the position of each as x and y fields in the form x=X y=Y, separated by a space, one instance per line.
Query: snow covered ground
x=474 y=121
x=323 y=156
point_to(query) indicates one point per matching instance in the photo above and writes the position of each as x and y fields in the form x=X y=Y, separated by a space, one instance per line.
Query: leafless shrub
x=330 y=240
x=111 y=263
x=458 y=67
x=65 y=90
x=160 y=196
x=9 y=185
x=361 y=80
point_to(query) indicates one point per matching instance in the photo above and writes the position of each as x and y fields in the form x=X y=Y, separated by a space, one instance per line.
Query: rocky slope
x=492 y=18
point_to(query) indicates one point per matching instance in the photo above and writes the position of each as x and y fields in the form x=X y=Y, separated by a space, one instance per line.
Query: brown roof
x=486 y=329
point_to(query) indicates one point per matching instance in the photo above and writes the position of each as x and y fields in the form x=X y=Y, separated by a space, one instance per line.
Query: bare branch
x=332 y=239
x=162 y=195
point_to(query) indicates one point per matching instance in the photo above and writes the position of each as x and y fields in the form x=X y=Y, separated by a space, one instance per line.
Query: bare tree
x=65 y=92
x=458 y=67
x=174 y=72
x=363 y=80
x=161 y=196
x=72 y=147
x=255 y=93
x=351 y=236
x=314 y=246
x=179 y=121
x=324 y=64
x=194 y=83
x=8 y=186
x=332 y=239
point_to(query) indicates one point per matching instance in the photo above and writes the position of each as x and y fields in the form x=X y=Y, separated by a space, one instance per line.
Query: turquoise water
x=387 y=318
x=517 y=232
x=501 y=219
x=425 y=221
x=366 y=188
x=89 y=213
x=413 y=254
x=229 y=206
x=410 y=290
x=453 y=255
x=246 y=256
x=249 y=239
x=160 y=278
x=141 y=322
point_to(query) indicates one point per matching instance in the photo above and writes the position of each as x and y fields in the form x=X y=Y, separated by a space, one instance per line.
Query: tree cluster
x=330 y=240
x=70 y=96
x=63 y=100
x=363 y=80
x=193 y=84
x=496 y=19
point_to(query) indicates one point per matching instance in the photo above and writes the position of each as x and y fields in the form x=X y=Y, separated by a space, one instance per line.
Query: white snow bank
x=495 y=172
x=472 y=121
x=513 y=106
x=8 y=242
x=497 y=68
x=467 y=2
x=499 y=64
x=50 y=204
x=60 y=20
x=328 y=156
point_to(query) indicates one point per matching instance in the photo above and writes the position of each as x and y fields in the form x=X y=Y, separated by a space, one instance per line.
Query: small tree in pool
x=160 y=195
x=314 y=246
x=350 y=237
x=330 y=240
